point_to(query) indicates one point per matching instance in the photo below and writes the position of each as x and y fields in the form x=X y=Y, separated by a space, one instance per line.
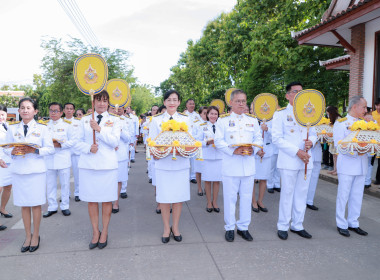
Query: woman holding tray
x=172 y=176
x=28 y=168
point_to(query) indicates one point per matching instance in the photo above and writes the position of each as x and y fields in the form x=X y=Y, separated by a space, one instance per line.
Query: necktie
x=170 y=118
x=213 y=128
x=99 y=118
x=5 y=127
x=25 y=129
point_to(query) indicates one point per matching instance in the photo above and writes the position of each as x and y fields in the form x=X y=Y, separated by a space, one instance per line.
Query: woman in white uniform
x=172 y=176
x=198 y=164
x=263 y=167
x=29 y=169
x=212 y=159
x=98 y=166
x=5 y=174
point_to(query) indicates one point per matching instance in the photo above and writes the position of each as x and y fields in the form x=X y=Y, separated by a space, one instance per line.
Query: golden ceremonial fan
x=227 y=95
x=264 y=106
x=219 y=104
x=119 y=92
x=309 y=107
x=91 y=75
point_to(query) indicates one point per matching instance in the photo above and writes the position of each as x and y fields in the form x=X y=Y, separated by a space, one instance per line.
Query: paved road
x=135 y=250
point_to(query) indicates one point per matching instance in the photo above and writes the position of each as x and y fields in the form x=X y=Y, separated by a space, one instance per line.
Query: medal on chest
x=231 y=123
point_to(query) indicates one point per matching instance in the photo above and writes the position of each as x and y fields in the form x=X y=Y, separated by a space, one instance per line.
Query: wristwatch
x=37 y=151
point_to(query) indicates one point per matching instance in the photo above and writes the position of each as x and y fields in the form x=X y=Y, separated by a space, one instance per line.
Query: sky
x=155 y=32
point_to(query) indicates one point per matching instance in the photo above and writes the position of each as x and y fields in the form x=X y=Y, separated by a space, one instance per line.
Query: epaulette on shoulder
x=67 y=121
x=121 y=117
x=77 y=118
x=283 y=108
x=183 y=114
x=158 y=115
x=114 y=115
x=203 y=123
x=87 y=114
x=196 y=121
x=342 y=119
x=250 y=115
x=14 y=122
x=41 y=122
x=224 y=115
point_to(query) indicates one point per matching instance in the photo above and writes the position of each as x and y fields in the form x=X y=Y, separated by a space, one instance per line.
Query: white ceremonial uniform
x=274 y=178
x=75 y=123
x=194 y=117
x=135 y=120
x=5 y=173
x=316 y=152
x=98 y=172
x=131 y=128
x=368 y=177
x=123 y=150
x=58 y=164
x=351 y=175
x=289 y=137
x=263 y=165
x=237 y=171
x=212 y=157
x=29 y=171
x=172 y=176
x=198 y=164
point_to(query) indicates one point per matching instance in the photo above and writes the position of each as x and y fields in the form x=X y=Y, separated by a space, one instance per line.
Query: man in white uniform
x=316 y=152
x=69 y=109
x=59 y=163
x=238 y=164
x=194 y=118
x=136 y=132
x=294 y=153
x=351 y=172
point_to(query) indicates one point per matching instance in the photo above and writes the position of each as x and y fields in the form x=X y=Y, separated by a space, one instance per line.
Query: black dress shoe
x=123 y=195
x=9 y=215
x=255 y=209
x=77 y=199
x=49 y=213
x=115 y=210
x=245 y=234
x=277 y=189
x=103 y=245
x=171 y=210
x=359 y=231
x=343 y=232
x=158 y=211
x=66 y=212
x=2 y=227
x=25 y=249
x=271 y=190
x=94 y=245
x=367 y=186
x=193 y=181
x=35 y=248
x=263 y=209
x=209 y=209
x=200 y=193
x=177 y=238
x=312 y=207
x=165 y=239
x=282 y=234
x=230 y=235
x=303 y=233
x=132 y=160
x=217 y=210
x=150 y=181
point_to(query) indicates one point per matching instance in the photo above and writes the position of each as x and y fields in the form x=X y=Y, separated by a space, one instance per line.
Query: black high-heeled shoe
x=35 y=248
x=94 y=245
x=9 y=215
x=209 y=209
x=217 y=210
x=165 y=239
x=262 y=209
x=103 y=245
x=177 y=238
x=26 y=248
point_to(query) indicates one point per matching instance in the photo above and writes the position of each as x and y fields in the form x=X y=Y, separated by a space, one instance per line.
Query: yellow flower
x=372 y=125
x=176 y=126
x=362 y=125
x=148 y=140
x=176 y=143
x=165 y=126
x=355 y=140
x=373 y=141
x=145 y=128
x=324 y=121
x=323 y=131
x=152 y=143
x=198 y=144
x=184 y=126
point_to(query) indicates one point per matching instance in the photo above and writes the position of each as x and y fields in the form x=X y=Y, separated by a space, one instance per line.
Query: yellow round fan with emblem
x=227 y=95
x=119 y=92
x=90 y=73
x=264 y=106
x=309 y=107
x=219 y=104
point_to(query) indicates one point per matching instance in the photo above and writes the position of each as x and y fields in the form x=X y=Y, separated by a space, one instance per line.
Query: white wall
x=369 y=52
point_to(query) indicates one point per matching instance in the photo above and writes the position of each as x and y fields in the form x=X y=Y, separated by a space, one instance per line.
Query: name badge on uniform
x=108 y=124
x=289 y=118
x=36 y=134
x=231 y=123
x=249 y=125
x=205 y=129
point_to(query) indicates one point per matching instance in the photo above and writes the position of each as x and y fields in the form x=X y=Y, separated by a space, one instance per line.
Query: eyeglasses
x=294 y=91
x=54 y=111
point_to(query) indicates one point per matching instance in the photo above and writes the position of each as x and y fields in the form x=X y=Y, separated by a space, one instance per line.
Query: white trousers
x=368 y=177
x=313 y=182
x=192 y=168
x=51 y=181
x=274 y=178
x=350 y=189
x=232 y=185
x=150 y=169
x=293 y=198
x=74 y=166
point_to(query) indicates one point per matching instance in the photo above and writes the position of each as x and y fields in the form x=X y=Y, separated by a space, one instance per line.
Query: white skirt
x=5 y=176
x=212 y=170
x=173 y=186
x=122 y=171
x=198 y=166
x=29 y=189
x=262 y=168
x=97 y=185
